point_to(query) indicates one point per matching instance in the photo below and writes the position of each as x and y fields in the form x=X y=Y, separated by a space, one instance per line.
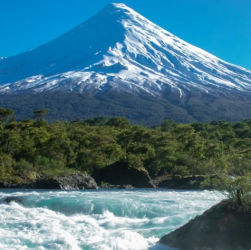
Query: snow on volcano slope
x=120 y=49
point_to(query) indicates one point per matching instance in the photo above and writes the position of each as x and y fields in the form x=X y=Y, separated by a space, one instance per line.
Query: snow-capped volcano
x=120 y=49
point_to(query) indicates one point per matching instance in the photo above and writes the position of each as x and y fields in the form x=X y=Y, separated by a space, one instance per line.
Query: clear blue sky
x=221 y=27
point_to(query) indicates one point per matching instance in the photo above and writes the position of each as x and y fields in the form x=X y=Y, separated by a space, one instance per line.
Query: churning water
x=98 y=220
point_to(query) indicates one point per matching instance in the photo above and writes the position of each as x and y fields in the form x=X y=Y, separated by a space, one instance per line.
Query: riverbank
x=72 y=182
x=122 y=179
x=225 y=226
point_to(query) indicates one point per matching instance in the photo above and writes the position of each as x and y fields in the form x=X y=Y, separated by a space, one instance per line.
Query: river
x=96 y=219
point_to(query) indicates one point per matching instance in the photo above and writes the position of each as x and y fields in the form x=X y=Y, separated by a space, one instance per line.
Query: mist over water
x=96 y=220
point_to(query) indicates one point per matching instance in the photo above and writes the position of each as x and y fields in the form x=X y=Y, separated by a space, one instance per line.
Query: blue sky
x=221 y=27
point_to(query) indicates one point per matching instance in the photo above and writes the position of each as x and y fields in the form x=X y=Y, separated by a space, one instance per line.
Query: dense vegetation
x=143 y=109
x=35 y=148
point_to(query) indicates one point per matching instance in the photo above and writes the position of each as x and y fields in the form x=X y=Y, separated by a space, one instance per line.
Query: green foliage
x=40 y=114
x=105 y=184
x=5 y=114
x=31 y=149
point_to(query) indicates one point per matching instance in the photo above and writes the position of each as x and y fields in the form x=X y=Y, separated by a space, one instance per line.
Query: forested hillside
x=31 y=149
x=145 y=110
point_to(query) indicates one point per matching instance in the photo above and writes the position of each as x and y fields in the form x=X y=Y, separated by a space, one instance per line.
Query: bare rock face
x=223 y=227
x=121 y=174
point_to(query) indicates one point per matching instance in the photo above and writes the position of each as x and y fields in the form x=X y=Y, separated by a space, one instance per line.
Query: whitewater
x=98 y=219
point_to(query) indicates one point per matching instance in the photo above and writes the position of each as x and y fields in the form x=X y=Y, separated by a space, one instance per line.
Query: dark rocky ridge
x=223 y=227
x=115 y=176
x=75 y=181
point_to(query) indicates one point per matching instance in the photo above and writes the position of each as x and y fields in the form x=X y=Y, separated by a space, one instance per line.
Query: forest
x=35 y=148
x=143 y=109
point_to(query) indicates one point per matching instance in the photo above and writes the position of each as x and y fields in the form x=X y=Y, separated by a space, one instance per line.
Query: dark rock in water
x=121 y=174
x=9 y=199
x=223 y=227
x=75 y=181
x=178 y=182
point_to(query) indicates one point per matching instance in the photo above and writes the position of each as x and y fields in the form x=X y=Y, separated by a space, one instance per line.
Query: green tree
x=40 y=114
x=5 y=114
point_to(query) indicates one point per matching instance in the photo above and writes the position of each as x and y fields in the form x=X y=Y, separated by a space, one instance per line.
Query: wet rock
x=223 y=227
x=19 y=185
x=75 y=181
x=120 y=174
x=9 y=199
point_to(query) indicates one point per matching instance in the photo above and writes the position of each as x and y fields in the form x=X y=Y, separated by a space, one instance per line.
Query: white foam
x=125 y=220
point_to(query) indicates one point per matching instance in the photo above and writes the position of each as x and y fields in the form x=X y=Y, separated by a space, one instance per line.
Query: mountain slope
x=118 y=49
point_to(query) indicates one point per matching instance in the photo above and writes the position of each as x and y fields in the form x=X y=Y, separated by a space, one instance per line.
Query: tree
x=5 y=114
x=40 y=114
x=235 y=180
x=118 y=122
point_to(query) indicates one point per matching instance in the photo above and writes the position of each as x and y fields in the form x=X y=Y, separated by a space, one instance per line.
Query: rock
x=223 y=227
x=9 y=199
x=178 y=182
x=75 y=181
x=19 y=185
x=121 y=174
x=3 y=185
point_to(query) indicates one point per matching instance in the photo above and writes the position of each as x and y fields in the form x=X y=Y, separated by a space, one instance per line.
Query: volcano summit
x=121 y=59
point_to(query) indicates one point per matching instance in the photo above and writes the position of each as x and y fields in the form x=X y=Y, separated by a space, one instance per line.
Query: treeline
x=142 y=109
x=31 y=149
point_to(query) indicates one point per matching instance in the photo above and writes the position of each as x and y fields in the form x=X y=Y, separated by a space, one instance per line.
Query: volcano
x=119 y=53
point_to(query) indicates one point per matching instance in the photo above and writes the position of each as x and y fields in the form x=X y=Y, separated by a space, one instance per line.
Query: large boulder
x=186 y=183
x=223 y=227
x=75 y=181
x=121 y=174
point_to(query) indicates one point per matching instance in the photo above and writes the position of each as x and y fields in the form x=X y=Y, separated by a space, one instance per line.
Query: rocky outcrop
x=75 y=181
x=223 y=227
x=121 y=174
x=178 y=182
